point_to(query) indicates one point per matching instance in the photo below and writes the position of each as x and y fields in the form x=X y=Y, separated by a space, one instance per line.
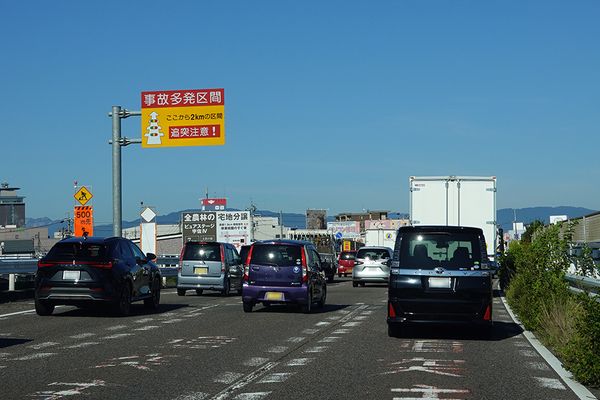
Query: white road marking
x=252 y=396
x=74 y=390
x=83 y=335
x=82 y=345
x=277 y=349
x=360 y=317
x=117 y=336
x=192 y=396
x=437 y=346
x=540 y=366
x=316 y=349
x=550 y=383
x=228 y=377
x=352 y=324
x=330 y=339
x=242 y=382
x=44 y=345
x=172 y=321
x=22 y=312
x=35 y=356
x=116 y=327
x=341 y=331
x=296 y=339
x=310 y=331
x=299 y=362
x=453 y=368
x=276 y=377
x=255 y=361
x=528 y=353
x=430 y=392
x=143 y=320
x=147 y=328
x=322 y=323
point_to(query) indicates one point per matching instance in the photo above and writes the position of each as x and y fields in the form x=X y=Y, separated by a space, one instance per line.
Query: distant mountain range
x=505 y=218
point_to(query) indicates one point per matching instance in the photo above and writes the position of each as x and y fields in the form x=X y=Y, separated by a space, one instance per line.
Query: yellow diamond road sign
x=83 y=195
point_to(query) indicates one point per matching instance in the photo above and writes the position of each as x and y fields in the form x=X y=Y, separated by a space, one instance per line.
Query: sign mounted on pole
x=183 y=118
x=84 y=221
x=83 y=195
x=213 y=204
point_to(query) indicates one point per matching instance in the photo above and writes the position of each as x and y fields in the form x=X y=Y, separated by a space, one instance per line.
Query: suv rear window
x=456 y=251
x=372 y=254
x=279 y=255
x=202 y=252
x=346 y=255
x=77 y=251
x=244 y=253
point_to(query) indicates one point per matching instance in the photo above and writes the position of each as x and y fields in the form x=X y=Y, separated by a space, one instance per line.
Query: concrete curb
x=580 y=391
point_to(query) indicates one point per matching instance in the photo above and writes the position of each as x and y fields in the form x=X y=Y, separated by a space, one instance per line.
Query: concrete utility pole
x=117 y=141
x=280 y=224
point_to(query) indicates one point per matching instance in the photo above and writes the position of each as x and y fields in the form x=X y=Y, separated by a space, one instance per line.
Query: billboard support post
x=116 y=142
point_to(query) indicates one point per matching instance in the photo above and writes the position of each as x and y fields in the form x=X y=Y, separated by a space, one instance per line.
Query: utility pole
x=280 y=224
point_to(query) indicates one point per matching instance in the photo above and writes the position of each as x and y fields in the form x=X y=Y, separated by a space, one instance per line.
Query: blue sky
x=328 y=104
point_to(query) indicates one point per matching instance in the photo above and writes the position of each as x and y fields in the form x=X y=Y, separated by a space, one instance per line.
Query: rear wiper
x=272 y=264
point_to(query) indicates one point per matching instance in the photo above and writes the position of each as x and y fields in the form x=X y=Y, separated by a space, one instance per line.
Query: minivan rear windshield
x=277 y=255
x=372 y=254
x=202 y=252
x=346 y=255
x=456 y=251
x=77 y=251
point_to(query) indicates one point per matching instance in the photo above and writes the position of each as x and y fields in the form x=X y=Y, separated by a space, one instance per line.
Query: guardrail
x=580 y=283
x=18 y=266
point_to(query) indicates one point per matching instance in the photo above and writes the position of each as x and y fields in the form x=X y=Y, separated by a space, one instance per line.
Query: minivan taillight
x=103 y=265
x=180 y=258
x=42 y=264
x=304 y=266
x=247 y=264
x=223 y=258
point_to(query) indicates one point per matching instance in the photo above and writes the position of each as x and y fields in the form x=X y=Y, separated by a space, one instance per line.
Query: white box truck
x=381 y=237
x=456 y=201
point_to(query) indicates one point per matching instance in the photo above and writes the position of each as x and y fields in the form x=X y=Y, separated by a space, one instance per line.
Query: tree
x=531 y=229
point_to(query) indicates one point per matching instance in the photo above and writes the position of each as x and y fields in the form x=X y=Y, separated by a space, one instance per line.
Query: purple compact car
x=283 y=272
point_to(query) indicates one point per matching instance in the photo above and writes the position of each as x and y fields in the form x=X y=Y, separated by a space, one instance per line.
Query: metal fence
x=168 y=265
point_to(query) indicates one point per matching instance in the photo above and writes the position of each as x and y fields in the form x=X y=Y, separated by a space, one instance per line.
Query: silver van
x=371 y=265
x=209 y=266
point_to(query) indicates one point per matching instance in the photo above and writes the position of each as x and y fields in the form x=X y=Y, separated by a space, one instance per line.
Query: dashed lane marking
x=74 y=389
x=540 y=366
x=277 y=349
x=244 y=381
x=82 y=345
x=35 y=356
x=310 y=331
x=44 y=345
x=147 y=328
x=192 y=396
x=316 y=349
x=117 y=336
x=341 y=331
x=296 y=339
x=252 y=396
x=116 y=327
x=83 y=335
x=329 y=339
x=299 y=362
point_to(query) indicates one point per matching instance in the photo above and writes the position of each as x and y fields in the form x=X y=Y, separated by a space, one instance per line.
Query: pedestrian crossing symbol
x=83 y=195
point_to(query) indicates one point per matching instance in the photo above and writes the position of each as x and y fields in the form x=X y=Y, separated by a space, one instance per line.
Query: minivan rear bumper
x=200 y=282
x=257 y=294
x=480 y=312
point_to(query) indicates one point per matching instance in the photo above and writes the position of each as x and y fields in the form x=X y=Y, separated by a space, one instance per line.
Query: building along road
x=206 y=347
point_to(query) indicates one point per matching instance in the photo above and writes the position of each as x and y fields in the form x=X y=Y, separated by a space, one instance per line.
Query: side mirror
x=151 y=257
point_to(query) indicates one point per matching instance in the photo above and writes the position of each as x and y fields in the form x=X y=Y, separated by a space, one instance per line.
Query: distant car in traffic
x=346 y=263
x=81 y=271
x=371 y=265
x=329 y=265
x=283 y=272
x=209 y=266
x=440 y=274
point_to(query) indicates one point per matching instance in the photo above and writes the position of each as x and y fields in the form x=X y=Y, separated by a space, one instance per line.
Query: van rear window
x=455 y=251
x=347 y=255
x=373 y=254
x=278 y=255
x=202 y=252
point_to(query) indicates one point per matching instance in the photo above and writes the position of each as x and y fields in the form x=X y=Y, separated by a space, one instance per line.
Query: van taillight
x=104 y=265
x=304 y=266
x=223 y=265
x=391 y=311
x=246 y=270
x=488 y=313
x=180 y=258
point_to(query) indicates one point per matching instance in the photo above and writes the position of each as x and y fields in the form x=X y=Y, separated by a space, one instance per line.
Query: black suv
x=440 y=274
x=80 y=271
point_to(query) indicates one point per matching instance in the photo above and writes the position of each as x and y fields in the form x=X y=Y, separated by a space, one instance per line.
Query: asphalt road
x=206 y=347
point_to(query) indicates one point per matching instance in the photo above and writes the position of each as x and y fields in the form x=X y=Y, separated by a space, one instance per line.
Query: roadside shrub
x=558 y=321
x=582 y=354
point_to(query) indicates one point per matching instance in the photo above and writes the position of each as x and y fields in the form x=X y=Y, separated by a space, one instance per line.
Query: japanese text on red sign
x=183 y=98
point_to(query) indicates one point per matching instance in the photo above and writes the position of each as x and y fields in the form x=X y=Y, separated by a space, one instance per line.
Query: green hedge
x=533 y=276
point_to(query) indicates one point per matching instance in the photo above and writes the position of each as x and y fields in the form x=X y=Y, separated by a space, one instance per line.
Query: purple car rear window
x=280 y=255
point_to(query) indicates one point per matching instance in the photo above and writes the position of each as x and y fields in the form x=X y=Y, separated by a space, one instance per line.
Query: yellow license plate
x=200 y=270
x=274 y=296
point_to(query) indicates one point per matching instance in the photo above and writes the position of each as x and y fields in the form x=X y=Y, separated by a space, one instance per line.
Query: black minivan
x=440 y=274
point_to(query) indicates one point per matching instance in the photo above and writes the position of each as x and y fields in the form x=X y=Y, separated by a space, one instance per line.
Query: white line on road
x=225 y=393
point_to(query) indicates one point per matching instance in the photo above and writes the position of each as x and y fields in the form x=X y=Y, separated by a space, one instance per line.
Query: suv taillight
x=223 y=265
x=304 y=266
x=42 y=264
